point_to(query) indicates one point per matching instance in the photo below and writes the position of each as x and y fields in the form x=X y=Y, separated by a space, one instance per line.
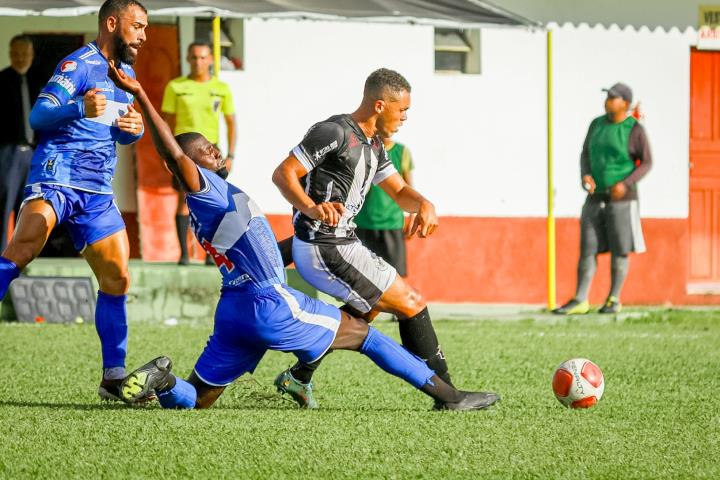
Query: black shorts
x=610 y=226
x=388 y=244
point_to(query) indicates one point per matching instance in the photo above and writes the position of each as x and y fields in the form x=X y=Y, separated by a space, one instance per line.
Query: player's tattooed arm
x=287 y=178
x=410 y=200
x=180 y=164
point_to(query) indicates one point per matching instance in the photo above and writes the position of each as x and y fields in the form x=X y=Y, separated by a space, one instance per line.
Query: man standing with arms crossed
x=79 y=116
x=326 y=178
x=193 y=104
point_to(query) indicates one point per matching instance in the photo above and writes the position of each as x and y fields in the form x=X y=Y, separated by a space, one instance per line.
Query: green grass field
x=659 y=418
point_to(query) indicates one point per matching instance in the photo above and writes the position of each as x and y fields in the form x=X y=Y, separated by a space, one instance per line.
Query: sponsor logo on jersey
x=320 y=153
x=63 y=82
x=220 y=259
x=68 y=66
x=354 y=142
x=93 y=62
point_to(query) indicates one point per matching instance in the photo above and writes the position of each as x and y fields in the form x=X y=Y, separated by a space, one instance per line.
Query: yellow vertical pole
x=216 y=45
x=550 y=184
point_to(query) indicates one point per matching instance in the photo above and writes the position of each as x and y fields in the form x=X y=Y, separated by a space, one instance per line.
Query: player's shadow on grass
x=72 y=406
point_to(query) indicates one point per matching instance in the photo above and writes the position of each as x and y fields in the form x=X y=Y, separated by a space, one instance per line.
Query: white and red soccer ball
x=578 y=383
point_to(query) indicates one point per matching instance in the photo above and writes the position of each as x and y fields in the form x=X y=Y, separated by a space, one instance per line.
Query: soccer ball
x=578 y=383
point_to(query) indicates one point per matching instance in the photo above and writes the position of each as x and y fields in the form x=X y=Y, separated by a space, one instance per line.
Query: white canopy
x=435 y=12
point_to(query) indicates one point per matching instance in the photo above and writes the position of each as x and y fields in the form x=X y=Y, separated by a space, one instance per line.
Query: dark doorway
x=50 y=48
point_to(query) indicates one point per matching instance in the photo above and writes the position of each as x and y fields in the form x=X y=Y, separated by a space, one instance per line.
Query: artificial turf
x=659 y=418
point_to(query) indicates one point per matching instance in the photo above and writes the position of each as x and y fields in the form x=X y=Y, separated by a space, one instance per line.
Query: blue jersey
x=232 y=229
x=79 y=152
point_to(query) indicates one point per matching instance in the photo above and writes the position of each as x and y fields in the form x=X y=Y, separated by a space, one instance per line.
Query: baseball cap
x=619 y=90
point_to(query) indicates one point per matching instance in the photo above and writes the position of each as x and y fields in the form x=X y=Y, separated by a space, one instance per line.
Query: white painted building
x=479 y=140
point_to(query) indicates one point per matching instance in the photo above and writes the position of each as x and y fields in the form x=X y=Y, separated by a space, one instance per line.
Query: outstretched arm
x=179 y=164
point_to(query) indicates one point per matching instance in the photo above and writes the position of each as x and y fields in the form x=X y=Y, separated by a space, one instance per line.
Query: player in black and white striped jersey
x=326 y=178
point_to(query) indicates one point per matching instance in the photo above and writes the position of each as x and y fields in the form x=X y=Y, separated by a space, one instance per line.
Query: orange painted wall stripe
x=502 y=260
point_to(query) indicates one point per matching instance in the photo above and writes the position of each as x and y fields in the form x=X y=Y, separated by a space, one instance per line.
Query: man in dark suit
x=20 y=90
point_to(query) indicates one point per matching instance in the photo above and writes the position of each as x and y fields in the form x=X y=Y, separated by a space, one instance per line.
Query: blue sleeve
x=124 y=138
x=67 y=82
x=212 y=196
x=47 y=115
x=55 y=105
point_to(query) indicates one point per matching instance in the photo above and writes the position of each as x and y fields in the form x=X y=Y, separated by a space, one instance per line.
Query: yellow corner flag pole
x=216 y=45
x=550 y=186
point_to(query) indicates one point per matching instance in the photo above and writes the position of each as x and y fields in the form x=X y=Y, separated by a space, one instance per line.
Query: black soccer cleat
x=110 y=389
x=154 y=375
x=470 y=401
x=573 y=307
x=612 y=305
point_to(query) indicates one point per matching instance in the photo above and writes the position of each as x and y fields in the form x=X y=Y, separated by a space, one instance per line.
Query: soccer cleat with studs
x=612 y=305
x=302 y=393
x=470 y=401
x=141 y=383
x=573 y=307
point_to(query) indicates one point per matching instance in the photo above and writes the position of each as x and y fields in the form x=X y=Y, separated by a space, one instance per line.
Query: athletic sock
x=112 y=328
x=619 y=271
x=8 y=272
x=418 y=336
x=114 y=373
x=441 y=391
x=303 y=372
x=585 y=273
x=180 y=395
x=182 y=222
x=395 y=360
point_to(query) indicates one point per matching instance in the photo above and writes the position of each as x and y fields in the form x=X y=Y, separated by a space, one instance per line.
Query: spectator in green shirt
x=381 y=222
x=615 y=156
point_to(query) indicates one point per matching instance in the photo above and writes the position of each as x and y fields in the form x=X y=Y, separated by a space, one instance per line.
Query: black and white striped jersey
x=342 y=164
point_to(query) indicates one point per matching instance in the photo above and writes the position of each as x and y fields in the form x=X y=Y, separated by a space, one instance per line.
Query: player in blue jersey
x=79 y=116
x=257 y=311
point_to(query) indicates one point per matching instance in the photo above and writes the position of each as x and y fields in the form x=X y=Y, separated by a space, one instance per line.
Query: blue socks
x=112 y=328
x=395 y=360
x=182 y=395
x=8 y=272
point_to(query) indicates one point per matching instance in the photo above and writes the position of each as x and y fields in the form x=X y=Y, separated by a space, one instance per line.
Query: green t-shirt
x=610 y=160
x=197 y=105
x=380 y=212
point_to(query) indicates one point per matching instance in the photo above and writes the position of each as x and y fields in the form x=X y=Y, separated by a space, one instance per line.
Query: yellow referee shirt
x=197 y=105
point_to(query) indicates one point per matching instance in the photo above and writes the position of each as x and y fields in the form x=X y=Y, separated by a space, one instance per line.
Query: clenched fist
x=94 y=103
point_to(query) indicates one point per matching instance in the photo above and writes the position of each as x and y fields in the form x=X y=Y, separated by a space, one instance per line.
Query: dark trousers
x=14 y=169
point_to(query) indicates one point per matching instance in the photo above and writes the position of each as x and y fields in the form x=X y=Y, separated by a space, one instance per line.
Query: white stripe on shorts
x=636 y=227
x=330 y=323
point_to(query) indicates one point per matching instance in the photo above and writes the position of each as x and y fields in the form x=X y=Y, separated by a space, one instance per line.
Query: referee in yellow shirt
x=194 y=104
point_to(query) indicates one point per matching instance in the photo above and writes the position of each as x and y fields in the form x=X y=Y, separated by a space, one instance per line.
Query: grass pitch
x=659 y=418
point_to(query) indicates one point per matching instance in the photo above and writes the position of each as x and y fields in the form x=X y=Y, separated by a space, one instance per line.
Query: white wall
x=656 y=65
x=479 y=140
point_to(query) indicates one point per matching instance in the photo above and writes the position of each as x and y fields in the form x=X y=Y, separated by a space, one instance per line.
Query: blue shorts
x=274 y=318
x=89 y=217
